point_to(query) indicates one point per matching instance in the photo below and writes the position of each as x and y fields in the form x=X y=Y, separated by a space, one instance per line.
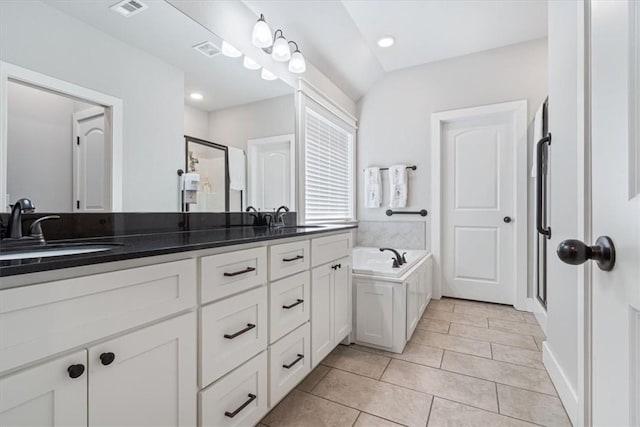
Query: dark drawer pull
x=249 y=327
x=252 y=397
x=235 y=273
x=298 y=302
x=290 y=365
x=295 y=258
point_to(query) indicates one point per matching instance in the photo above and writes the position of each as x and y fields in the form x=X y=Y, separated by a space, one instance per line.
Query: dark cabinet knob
x=107 y=358
x=575 y=252
x=507 y=219
x=75 y=371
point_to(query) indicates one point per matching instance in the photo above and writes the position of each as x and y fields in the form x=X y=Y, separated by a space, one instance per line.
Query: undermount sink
x=303 y=226
x=53 y=251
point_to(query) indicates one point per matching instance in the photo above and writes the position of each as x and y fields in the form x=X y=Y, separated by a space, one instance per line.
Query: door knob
x=575 y=252
x=507 y=219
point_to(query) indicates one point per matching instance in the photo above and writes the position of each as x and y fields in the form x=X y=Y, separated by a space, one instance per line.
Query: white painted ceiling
x=168 y=34
x=339 y=36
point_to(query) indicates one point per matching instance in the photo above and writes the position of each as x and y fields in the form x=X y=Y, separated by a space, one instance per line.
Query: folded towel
x=398 y=181
x=237 y=168
x=537 y=136
x=372 y=188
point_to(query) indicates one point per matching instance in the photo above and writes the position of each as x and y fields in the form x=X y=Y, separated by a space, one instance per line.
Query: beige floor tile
x=434 y=325
x=413 y=352
x=356 y=361
x=534 y=407
x=368 y=420
x=445 y=413
x=442 y=305
x=302 y=409
x=450 y=342
x=519 y=356
x=461 y=388
x=313 y=378
x=500 y=372
x=539 y=342
x=516 y=327
x=492 y=335
x=388 y=401
x=530 y=318
x=465 y=319
x=505 y=314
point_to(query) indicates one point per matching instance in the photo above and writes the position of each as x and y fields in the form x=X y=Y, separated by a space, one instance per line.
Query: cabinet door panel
x=151 y=381
x=321 y=313
x=413 y=303
x=374 y=311
x=342 y=299
x=45 y=395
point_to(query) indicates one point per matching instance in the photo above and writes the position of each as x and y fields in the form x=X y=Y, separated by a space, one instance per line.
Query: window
x=328 y=174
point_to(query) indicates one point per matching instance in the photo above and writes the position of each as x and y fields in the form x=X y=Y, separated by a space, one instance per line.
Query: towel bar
x=414 y=167
x=422 y=212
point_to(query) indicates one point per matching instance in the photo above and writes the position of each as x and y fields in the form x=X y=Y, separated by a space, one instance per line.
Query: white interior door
x=92 y=162
x=616 y=211
x=271 y=172
x=479 y=212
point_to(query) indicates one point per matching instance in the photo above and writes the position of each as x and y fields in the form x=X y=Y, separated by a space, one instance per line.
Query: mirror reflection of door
x=271 y=170
x=210 y=161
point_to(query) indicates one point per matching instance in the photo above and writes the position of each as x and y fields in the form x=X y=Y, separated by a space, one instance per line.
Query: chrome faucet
x=280 y=215
x=398 y=260
x=35 y=230
x=23 y=205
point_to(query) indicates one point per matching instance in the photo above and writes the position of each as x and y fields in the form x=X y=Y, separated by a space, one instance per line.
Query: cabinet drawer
x=289 y=363
x=289 y=304
x=288 y=259
x=330 y=248
x=40 y=320
x=239 y=399
x=229 y=273
x=231 y=332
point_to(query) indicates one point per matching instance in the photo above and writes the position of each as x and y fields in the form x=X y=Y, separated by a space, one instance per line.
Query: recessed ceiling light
x=196 y=96
x=386 y=41
x=128 y=8
x=230 y=51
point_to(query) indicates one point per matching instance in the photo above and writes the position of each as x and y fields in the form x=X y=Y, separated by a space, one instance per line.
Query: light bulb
x=386 y=41
x=196 y=96
x=281 y=51
x=230 y=51
x=261 y=35
x=297 y=63
x=250 y=63
x=267 y=75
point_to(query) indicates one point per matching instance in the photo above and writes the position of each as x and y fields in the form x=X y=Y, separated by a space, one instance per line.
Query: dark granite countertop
x=146 y=245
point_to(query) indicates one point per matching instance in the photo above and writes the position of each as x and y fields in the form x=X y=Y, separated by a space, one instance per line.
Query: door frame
x=253 y=144
x=438 y=120
x=113 y=122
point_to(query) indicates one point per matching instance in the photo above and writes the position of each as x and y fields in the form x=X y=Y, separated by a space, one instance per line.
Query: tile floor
x=467 y=364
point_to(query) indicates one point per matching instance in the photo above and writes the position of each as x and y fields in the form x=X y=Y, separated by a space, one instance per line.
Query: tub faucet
x=23 y=205
x=398 y=261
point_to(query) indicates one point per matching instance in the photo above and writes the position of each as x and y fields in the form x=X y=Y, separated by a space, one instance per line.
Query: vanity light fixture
x=196 y=96
x=267 y=75
x=261 y=35
x=277 y=46
x=250 y=64
x=386 y=41
x=229 y=50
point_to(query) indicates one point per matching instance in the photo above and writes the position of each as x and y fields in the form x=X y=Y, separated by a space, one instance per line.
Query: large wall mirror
x=100 y=110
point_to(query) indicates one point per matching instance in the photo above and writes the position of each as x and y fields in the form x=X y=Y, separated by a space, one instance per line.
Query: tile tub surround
x=442 y=378
x=393 y=234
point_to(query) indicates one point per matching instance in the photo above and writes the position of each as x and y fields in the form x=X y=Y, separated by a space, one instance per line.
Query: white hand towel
x=398 y=181
x=537 y=136
x=237 y=168
x=372 y=188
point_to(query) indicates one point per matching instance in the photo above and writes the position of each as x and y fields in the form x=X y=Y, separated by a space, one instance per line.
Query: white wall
x=36 y=36
x=196 y=122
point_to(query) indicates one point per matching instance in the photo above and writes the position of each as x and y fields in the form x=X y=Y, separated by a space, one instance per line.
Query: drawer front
x=288 y=259
x=289 y=363
x=330 y=248
x=289 y=304
x=239 y=399
x=230 y=273
x=231 y=332
x=41 y=320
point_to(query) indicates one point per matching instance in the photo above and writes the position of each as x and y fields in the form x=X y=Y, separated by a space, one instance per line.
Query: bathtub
x=372 y=262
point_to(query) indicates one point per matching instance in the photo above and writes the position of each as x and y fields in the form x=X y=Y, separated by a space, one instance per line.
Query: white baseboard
x=566 y=391
x=540 y=313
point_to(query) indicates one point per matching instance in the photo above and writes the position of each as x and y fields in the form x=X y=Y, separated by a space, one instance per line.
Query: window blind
x=328 y=170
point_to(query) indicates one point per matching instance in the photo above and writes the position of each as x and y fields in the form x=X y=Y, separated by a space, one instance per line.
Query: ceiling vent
x=128 y=8
x=208 y=49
